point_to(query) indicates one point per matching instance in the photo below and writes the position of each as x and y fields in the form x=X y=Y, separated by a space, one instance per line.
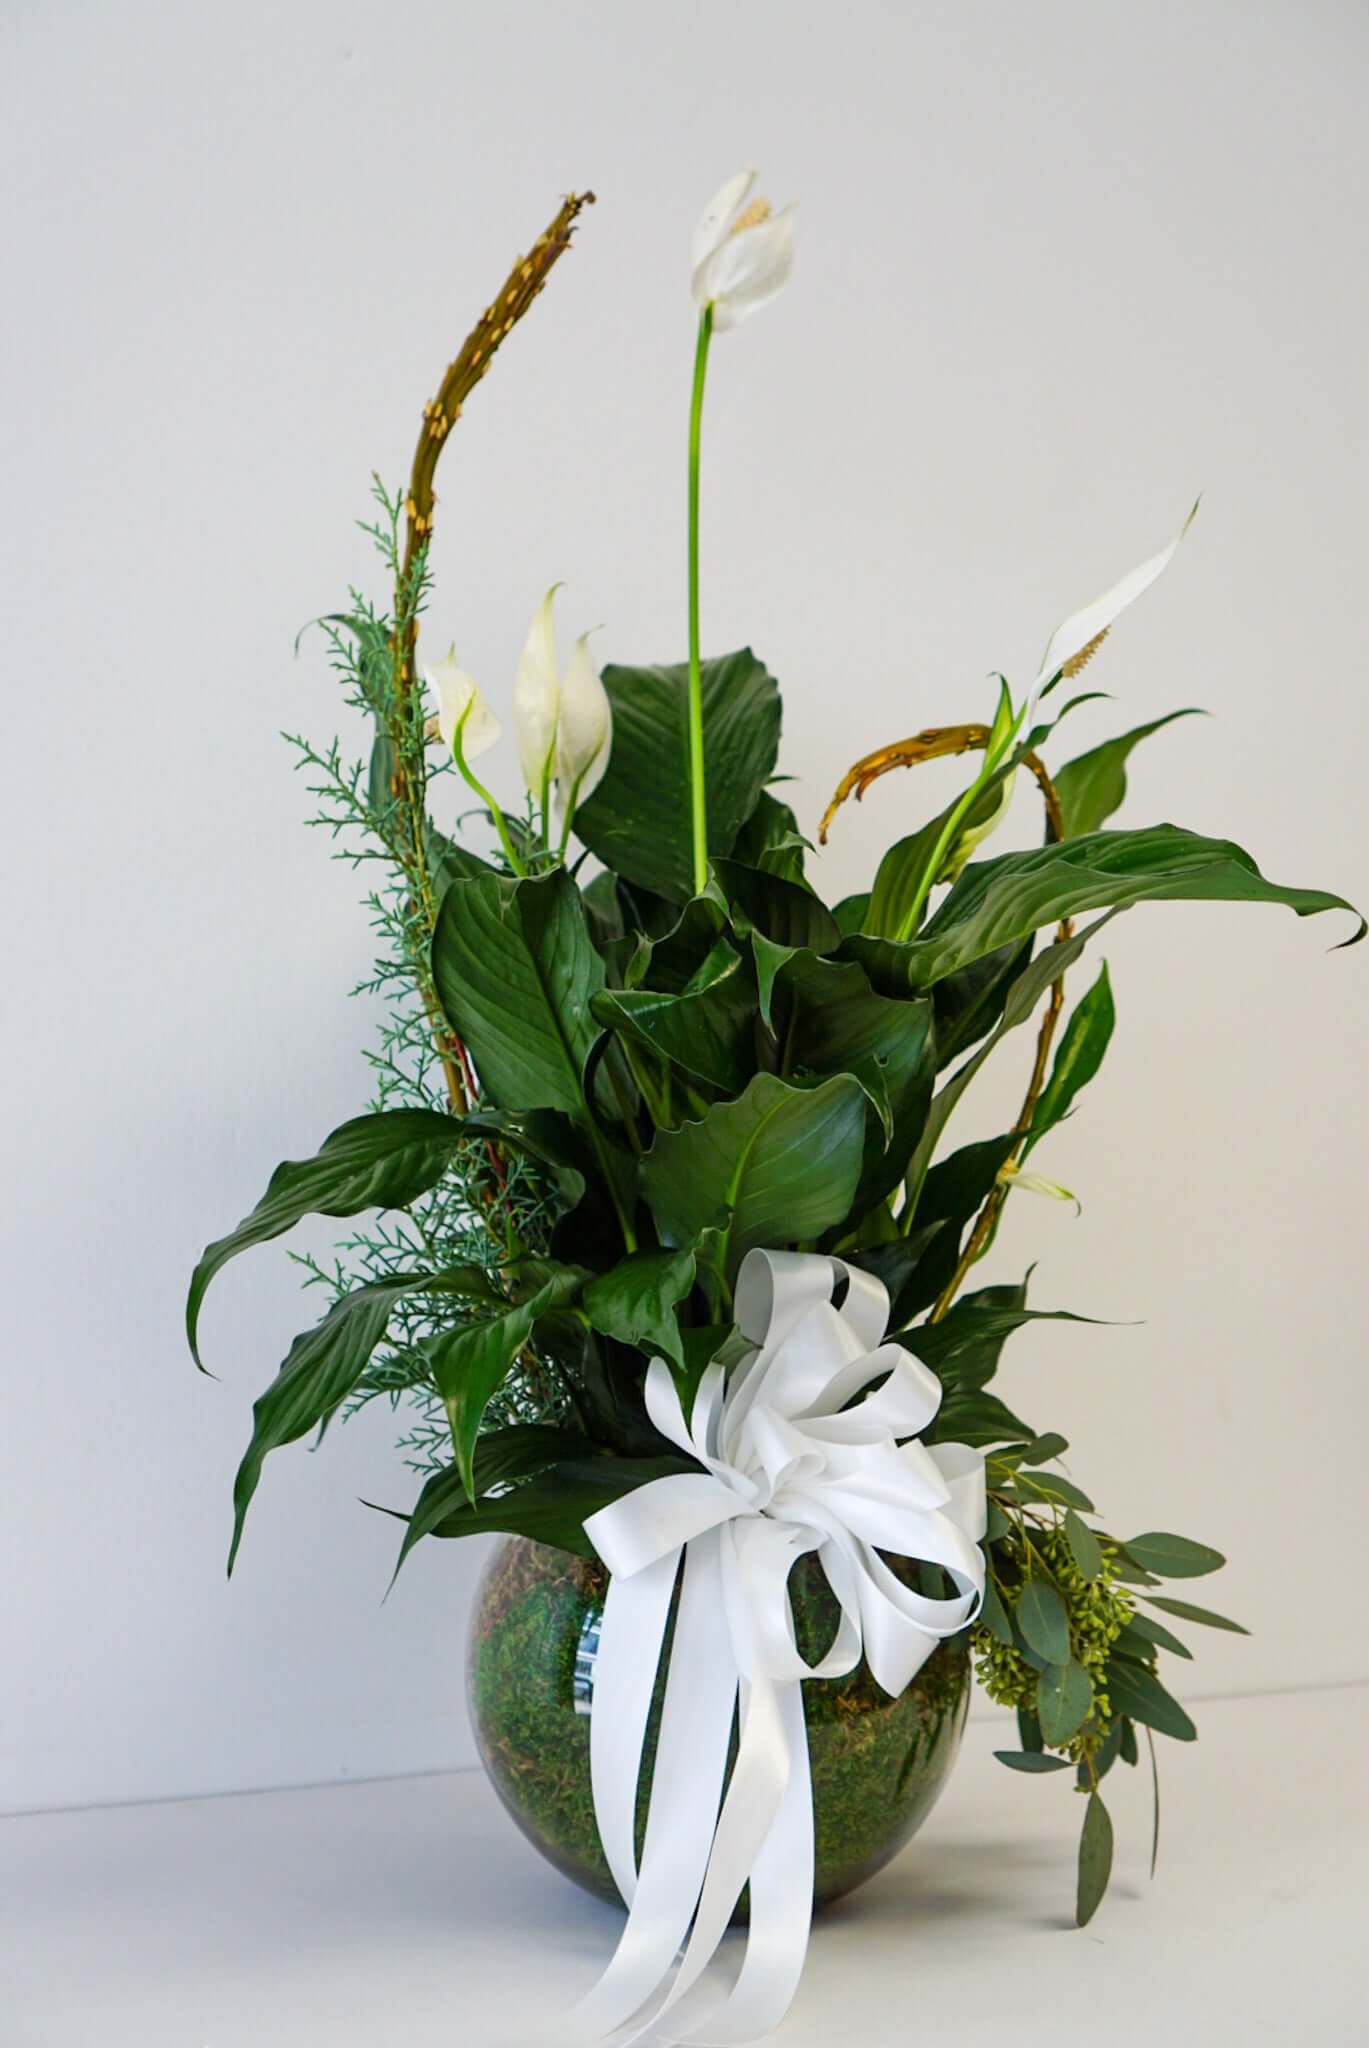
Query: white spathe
x=1084 y=626
x=740 y=263
x=461 y=707
x=584 y=732
x=537 y=697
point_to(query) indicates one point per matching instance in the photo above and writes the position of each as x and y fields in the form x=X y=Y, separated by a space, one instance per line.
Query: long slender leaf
x=1095 y=1860
x=1085 y=1041
x=997 y=901
x=1093 y=785
x=381 y=1161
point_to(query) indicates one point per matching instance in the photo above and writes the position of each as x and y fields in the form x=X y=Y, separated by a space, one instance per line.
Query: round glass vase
x=878 y=1763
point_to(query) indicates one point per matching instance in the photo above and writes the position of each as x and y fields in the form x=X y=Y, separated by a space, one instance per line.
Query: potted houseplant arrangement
x=672 y=1259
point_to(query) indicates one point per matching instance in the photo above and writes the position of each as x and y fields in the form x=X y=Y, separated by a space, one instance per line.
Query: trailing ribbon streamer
x=786 y=1467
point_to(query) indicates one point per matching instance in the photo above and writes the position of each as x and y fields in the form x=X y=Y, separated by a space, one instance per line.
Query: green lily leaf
x=469 y=1365
x=631 y=822
x=1078 y=1059
x=382 y=1161
x=828 y=1020
x=708 y=1034
x=551 y=1507
x=770 y=839
x=635 y=1302
x=963 y=1349
x=1024 y=993
x=515 y=972
x=786 y=913
x=1093 y=785
x=778 y=1165
x=323 y=1366
x=978 y=1419
x=997 y=901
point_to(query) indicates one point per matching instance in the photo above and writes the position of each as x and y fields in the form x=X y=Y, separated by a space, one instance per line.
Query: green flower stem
x=698 y=801
x=473 y=782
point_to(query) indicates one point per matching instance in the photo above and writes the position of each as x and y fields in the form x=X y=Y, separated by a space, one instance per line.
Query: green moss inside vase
x=878 y=1763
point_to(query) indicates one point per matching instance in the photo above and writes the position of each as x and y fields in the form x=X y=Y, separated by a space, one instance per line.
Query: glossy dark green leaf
x=786 y=913
x=978 y=1419
x=775 y=1167
x=637 y=820
x=1095 y=1860
x=963 y=1349
x=635 y=1301
x=1042 y=1618
x=468 y=1365
x=951 y=1195
x=1133 y=1690
x=969 y=1004
x=1093 y=785
x=323 y=1366
x=1084 y=1546
x=1028 y=986
x=1126 y=1747
x=1173 y=1557
x=1064 y=1696
x=997 y=901
x=551 y=1506
x=1085 y=1041
x=515 y=972
x=382 y=1161
x=708 y=1035
x=1033 y=1760
x=770 y=839
x=1202 y=1616
x=1028 y=1729
x=828 y=1020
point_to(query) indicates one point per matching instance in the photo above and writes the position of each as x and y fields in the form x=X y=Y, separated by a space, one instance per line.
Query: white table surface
x=411 y=1912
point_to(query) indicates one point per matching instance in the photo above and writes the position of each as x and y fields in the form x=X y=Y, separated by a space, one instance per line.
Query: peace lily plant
x=625 y=1044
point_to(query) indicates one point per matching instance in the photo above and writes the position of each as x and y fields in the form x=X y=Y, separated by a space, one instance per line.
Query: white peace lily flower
x=461 y=707
x=584 y=734
x=1012 y=1176
x=537 y=698
x=1075 y=643
x=741 y=254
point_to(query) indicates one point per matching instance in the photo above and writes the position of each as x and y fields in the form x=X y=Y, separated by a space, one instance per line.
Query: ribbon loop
x=787 y=1467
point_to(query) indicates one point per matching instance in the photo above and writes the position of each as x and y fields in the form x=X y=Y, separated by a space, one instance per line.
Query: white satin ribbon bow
x=787 y=1467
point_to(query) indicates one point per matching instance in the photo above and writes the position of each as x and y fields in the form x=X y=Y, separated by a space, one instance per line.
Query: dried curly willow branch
x=936 y=743
x=440 y=414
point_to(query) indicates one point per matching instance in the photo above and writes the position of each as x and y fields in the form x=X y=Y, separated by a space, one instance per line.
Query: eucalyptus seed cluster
x=1098 y=1609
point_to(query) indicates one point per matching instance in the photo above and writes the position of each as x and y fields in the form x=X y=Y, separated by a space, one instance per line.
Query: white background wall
x=1059 y=266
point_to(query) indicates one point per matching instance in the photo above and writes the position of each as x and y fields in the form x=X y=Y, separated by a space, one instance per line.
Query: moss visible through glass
x=878 y=1763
